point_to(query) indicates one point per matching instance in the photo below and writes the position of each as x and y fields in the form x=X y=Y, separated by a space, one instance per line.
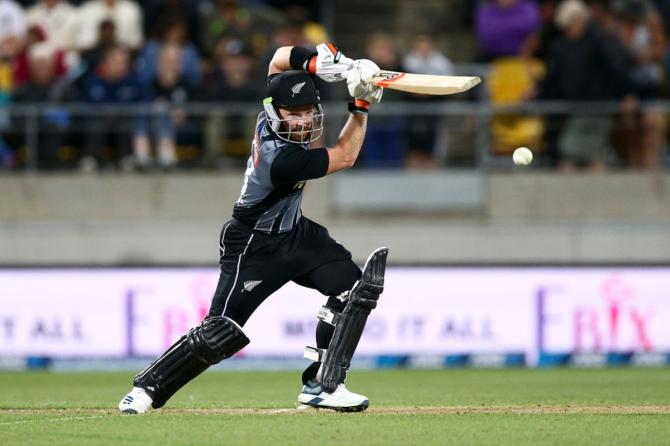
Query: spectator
x=106 y=39
x=225 y=17
x=232 y=81
x=45 y=87
x=538 y=42
x=159 y=13
x=502 y=26
x=12 y=32
x=314 y=32
x=60 y=22
x=13 y=28
x=233 y=76
x=174 y=34
x=125 y=14
x=640 y=130
x=425 y=58
x=112 y=84
x=536 y=48
x=229 y=18
x=287 y=34
x=663 y=8
x=384 y=144
x=584 y=64
x=21 y=64
x=170 y=91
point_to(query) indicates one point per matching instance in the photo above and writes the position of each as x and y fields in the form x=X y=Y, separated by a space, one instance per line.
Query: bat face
x=423 y=83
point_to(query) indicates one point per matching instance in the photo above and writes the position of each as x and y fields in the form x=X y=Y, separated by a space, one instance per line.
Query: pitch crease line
x=53 y=420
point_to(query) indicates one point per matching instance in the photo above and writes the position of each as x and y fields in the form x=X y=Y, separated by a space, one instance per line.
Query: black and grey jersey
x=273 y=182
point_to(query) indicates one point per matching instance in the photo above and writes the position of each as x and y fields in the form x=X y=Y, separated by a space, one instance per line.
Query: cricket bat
x=423 y=83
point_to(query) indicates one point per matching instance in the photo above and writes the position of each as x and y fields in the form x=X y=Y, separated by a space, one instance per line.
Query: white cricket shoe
x=341 y=399
x=135 y=402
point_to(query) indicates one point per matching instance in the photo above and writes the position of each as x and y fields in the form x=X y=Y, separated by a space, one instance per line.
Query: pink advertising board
x=424 y=311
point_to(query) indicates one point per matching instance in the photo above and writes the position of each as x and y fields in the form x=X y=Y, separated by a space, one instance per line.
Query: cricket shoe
x=341 y=400
x=135 y=402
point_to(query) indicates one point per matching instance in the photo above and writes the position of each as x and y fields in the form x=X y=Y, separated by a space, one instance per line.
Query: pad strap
x=315 y=354
x=328 y=316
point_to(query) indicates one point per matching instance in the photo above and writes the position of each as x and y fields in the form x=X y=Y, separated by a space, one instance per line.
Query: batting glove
x=358 y=88
x=329 y=63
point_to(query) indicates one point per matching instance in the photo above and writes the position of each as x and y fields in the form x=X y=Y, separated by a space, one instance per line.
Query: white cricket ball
x=522 y=156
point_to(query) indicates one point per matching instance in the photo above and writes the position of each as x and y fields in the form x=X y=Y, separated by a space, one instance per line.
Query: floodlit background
x=125 y=127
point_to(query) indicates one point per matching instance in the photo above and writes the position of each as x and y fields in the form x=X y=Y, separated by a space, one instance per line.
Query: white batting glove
x=358 y=89
x=329 y=63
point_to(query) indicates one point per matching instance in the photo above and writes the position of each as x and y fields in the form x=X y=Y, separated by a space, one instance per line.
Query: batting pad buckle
x=314 y=354
x=328 y=316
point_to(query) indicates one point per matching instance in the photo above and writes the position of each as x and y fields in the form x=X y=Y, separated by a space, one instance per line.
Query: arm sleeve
x=297 y=164
x=300 y=57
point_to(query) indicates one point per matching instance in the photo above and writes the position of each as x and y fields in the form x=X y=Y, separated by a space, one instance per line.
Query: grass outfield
x=408 y=407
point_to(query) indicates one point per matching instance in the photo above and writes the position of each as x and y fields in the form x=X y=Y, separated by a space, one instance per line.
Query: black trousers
x=255 y=265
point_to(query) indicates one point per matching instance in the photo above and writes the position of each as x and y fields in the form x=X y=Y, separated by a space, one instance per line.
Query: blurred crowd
x=160 y=56
x=156 y=55
x=613 y=51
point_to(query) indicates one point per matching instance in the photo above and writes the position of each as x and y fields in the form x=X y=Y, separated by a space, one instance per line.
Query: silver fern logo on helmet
x=282 y=127
x=297 y=87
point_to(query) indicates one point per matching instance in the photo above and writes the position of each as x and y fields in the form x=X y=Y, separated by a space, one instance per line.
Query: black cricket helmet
x=291 y=89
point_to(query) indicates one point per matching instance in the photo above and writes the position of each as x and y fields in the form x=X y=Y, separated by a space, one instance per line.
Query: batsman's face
x=298 y=121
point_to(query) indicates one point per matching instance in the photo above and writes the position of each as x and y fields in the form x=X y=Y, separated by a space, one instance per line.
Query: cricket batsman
x=268 y=242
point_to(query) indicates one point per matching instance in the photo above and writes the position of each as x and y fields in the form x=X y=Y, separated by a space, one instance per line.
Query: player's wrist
x=360 y=106
x=363 y=103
